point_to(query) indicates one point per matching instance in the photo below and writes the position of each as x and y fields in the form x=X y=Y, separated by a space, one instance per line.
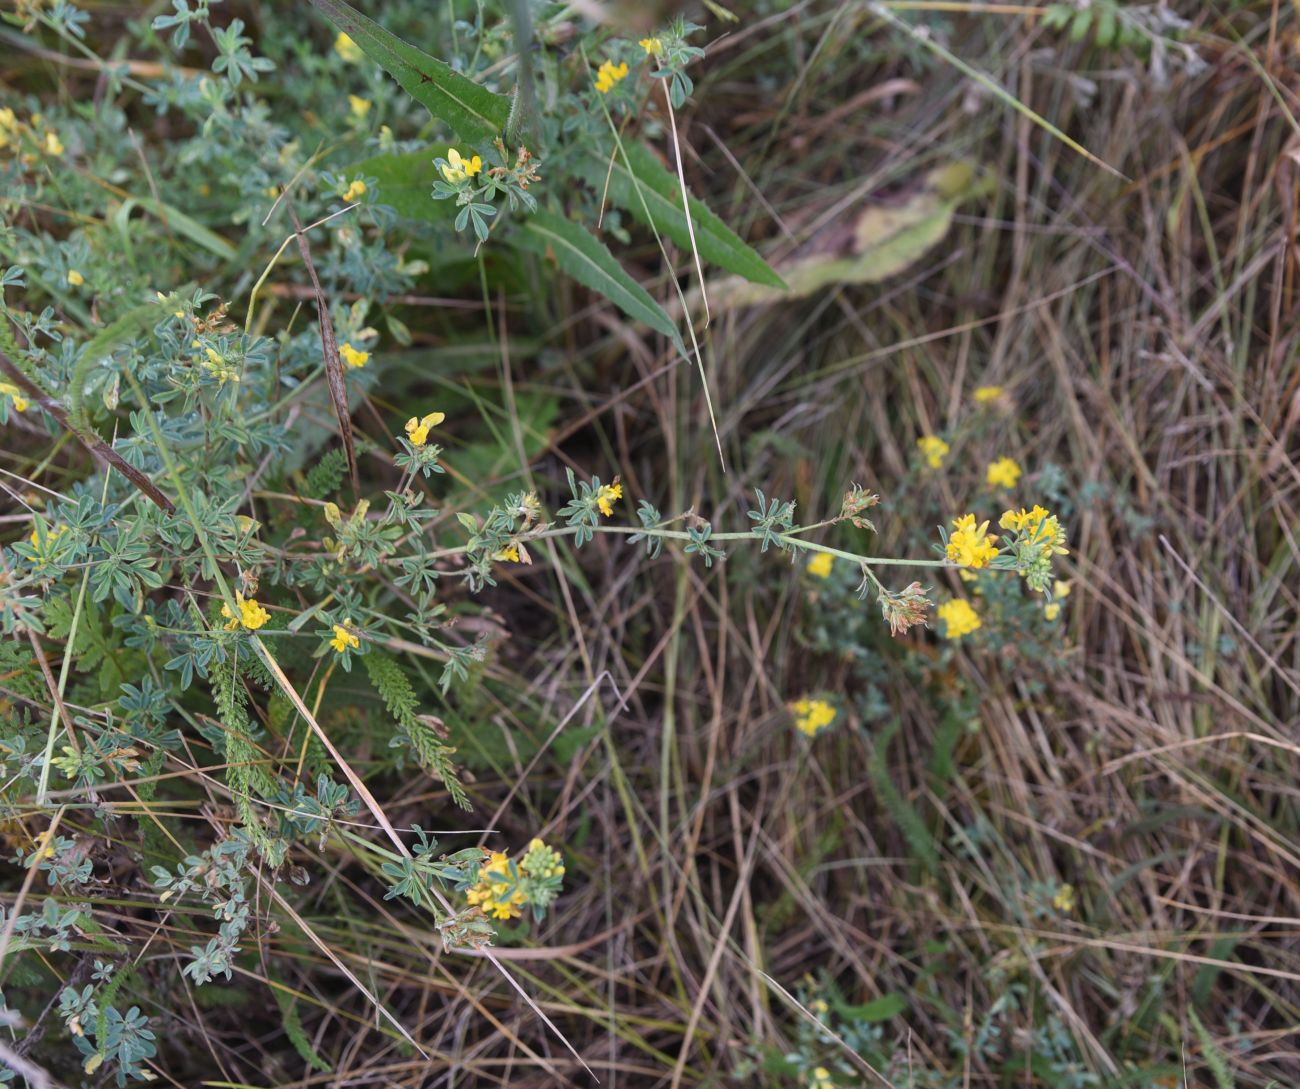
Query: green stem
x=682 y=535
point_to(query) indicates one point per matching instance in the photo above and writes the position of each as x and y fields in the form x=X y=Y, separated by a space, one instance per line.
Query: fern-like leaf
x=398 y=696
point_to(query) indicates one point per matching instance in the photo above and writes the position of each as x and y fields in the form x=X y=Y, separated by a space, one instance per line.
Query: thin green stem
x=682 y=535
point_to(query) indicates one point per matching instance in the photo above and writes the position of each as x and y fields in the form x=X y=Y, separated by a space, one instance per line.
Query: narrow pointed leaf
x=473 y=112
x=661 y=195
x=588 y=260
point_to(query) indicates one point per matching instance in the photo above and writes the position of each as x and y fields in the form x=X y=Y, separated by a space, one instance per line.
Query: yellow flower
x=458 y=169
x=820 y=1078
x=820 y=564
x=959 y=618
x=344 y=638
x=812 y=716
x=491 y=895
x=75 y=278
x=653 y=46
x=510 y=554
x=360 y=106
x=418 y=430
x=16 y=395
x=1060 y=589
x=9 y=126
x=53 y=145
x=1052 y=610
x=1016 y=520
x=933 y=449
x=354 y=357
x=50 y=534
x=1063 y=901
x=609 y=74
x=1003 y=473
x=1037 y=525
x=356 y=190
x=251 y=614
x=971 y=545
x=346 y=48
x=607 y=495
x=985 y=394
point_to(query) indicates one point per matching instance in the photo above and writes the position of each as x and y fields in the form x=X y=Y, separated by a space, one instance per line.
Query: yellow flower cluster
x=959 y=618
x=812 y=716
x=499 y=893
x=218 y=366
x=457 y=169
x=358 y=105
x=343 y=639
x=820 y=564
x=971 y=545
x=355 y=191
x=20 y=403
x=417 y=430
x=1038 y=525
x=51 y=534
x=607 y=495
x=12 y=131
x=653 y=47
x=933 y=449
x=75 y=279
x=251 y=615
x=1003 y=473
x=609 y=74
x=986 y=394
x=354 y=357
x=493 y=895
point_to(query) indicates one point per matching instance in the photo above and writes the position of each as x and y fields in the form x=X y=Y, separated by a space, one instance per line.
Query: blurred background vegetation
x=1057 y=852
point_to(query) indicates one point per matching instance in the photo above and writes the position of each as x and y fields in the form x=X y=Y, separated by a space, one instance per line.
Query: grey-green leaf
x=589 y=261
x=473 y=112
x=661 y=196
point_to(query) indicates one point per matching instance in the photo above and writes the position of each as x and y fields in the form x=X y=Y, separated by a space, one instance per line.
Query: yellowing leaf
x=871 y=244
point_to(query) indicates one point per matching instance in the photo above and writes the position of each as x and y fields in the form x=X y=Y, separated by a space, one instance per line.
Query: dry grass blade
x=329 y=346
x=89 y=440
x=13 y=915
x=324 y=947
x=992 y=86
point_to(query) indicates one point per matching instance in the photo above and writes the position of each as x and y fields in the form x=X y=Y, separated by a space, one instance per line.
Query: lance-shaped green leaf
x=660 y=195
x=589 y=261
x=471 y=111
